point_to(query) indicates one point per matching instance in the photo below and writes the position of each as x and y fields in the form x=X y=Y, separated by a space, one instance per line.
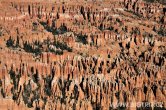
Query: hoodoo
x=82 y=54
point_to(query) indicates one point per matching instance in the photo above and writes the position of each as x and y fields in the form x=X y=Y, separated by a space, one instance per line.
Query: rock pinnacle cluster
x=82 y=54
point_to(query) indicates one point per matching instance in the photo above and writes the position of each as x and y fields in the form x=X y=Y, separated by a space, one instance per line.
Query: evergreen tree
x=10 y=42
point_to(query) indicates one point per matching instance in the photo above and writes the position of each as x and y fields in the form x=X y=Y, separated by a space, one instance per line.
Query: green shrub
x=10 y=42
x=82 y=39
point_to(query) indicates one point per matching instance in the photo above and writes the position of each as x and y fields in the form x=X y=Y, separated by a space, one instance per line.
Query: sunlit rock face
x=82 y=55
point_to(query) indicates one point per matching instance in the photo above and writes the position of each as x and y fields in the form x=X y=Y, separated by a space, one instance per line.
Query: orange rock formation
x=82 y=55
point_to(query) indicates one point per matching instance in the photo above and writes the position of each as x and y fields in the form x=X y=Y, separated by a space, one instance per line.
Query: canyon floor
x=82 y=55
